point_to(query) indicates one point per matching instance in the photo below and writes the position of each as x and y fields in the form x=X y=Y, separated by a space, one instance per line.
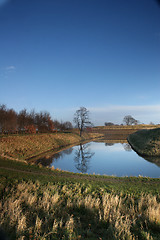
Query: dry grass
x=22 y=147
x=33 y=211
x=139 y=126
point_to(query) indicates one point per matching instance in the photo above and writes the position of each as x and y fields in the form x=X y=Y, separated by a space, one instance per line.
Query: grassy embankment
x=146 y=142
x=41 y=203
x=24 y=147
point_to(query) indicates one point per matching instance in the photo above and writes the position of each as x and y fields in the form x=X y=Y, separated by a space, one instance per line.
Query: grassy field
x=41 y=203
x=24 y=147
x=146 y=142
x=118 y=132
x=139 y=126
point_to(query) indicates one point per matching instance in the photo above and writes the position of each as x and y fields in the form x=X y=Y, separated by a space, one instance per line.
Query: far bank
x=24 y=147
x=146 y=142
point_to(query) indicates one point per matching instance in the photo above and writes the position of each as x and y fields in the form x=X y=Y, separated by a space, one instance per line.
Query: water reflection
x=109 y=144
x=82 y=158
x=49 y=159
x=59 y=155
x=127 y=147
x=155 y=160
x=103 y=158
x=45 y=161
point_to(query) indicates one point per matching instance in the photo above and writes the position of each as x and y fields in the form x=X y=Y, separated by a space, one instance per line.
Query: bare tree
x=11 y=123
x=44 y=122
x=108 y=124
x=3 y=111
x=129 y=120
x=81 y=119
x=67 y=125
x=57 y=125
x=22 y=120
x=8 y=120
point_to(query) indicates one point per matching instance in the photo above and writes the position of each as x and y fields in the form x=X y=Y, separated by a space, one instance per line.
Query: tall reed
x=35 y=211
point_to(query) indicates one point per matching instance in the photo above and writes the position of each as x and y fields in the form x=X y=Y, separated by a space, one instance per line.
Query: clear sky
x=59 y=55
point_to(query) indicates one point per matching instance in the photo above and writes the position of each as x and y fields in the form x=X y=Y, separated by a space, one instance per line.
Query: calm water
x=104 y=158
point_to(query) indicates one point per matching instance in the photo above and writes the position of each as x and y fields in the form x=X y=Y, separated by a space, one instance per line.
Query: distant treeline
x=127 y=120
x=29 y=122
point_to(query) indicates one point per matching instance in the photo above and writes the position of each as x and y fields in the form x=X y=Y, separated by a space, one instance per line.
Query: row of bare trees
x=127 y=120
x=29 y=122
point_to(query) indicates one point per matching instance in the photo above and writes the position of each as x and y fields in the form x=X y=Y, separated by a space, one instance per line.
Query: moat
x=104 y=158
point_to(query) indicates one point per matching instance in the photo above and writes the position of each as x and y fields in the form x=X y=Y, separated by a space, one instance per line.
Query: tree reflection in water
x=127 y=147
x=82 y=157
x=107 y=144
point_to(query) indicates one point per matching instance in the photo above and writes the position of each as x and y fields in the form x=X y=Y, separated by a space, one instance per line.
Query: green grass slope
x=146 y=142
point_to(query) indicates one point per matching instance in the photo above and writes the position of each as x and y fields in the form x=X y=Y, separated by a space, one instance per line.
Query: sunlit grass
x=41 y=203
x=31 y=210
x=22 y=147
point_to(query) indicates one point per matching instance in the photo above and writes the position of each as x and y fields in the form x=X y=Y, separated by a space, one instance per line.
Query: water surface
x=116 y=159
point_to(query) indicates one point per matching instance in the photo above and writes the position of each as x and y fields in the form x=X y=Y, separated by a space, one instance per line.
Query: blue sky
x=59 y=55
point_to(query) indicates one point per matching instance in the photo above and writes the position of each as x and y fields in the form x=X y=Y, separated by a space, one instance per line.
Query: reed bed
x=32 y=210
